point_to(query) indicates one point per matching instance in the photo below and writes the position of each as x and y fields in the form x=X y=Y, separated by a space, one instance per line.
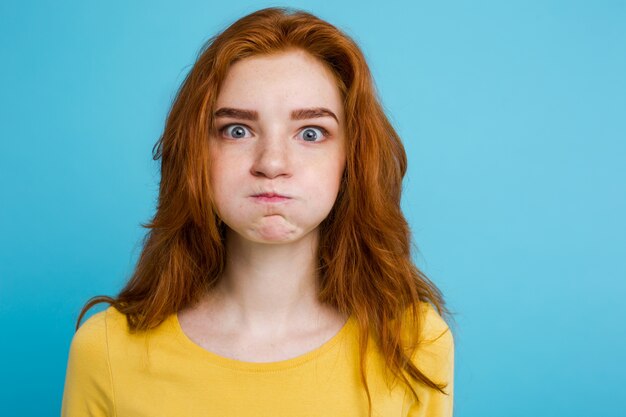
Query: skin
x=265 y=306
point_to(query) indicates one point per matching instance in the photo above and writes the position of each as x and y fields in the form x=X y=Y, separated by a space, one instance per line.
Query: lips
x=270 y=197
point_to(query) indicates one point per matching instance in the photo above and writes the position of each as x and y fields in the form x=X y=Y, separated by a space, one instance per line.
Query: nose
x=271 y=158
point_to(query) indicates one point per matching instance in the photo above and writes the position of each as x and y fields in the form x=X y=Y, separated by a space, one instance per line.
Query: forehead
x=280 y=82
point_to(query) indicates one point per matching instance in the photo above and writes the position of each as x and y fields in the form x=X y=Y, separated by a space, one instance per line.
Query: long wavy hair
x=364 y=253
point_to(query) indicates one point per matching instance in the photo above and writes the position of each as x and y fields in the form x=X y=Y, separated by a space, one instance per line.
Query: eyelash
x=325 y=132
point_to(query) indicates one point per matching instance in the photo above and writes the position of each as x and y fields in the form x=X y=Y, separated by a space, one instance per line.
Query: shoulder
x=88 y=380
x=91 y=335
x=434 y=345
x=433 y=326
x=430 y=325
x=97 y=325
x=91 y=339
x=433 y=355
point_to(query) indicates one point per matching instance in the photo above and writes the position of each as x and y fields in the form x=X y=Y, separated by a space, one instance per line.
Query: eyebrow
x=298 y=114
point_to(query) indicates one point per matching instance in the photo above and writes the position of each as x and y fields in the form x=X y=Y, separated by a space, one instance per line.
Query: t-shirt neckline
x=223 y=361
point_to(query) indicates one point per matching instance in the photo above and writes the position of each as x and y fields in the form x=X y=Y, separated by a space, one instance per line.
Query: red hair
x=364 y=253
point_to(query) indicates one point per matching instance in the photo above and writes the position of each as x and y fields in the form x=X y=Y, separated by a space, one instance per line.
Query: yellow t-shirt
x=162 y=372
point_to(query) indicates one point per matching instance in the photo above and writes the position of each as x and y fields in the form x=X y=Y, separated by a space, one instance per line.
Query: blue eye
x=313 y=134
x=234 y=131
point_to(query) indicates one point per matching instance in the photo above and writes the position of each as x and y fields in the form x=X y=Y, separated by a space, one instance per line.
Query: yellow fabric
x=162 y=372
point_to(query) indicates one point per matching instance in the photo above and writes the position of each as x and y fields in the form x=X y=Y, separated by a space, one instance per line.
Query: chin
x=274 y=229
x=273 y=235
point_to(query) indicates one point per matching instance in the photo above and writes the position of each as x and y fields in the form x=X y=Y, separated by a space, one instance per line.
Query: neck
x=269 y=287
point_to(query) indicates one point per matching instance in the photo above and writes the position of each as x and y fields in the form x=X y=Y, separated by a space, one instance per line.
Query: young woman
x=276 y=278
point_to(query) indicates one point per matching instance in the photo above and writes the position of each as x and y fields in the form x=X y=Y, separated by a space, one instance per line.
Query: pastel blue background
x=514 y=120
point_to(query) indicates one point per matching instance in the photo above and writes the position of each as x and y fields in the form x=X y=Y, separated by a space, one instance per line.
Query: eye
x=234 y=131
x=314 y=134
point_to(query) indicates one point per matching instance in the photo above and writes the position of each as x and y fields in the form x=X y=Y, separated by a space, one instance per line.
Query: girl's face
x=278 y=150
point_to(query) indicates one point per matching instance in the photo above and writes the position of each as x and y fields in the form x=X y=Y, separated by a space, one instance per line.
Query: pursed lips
x=270 y=197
